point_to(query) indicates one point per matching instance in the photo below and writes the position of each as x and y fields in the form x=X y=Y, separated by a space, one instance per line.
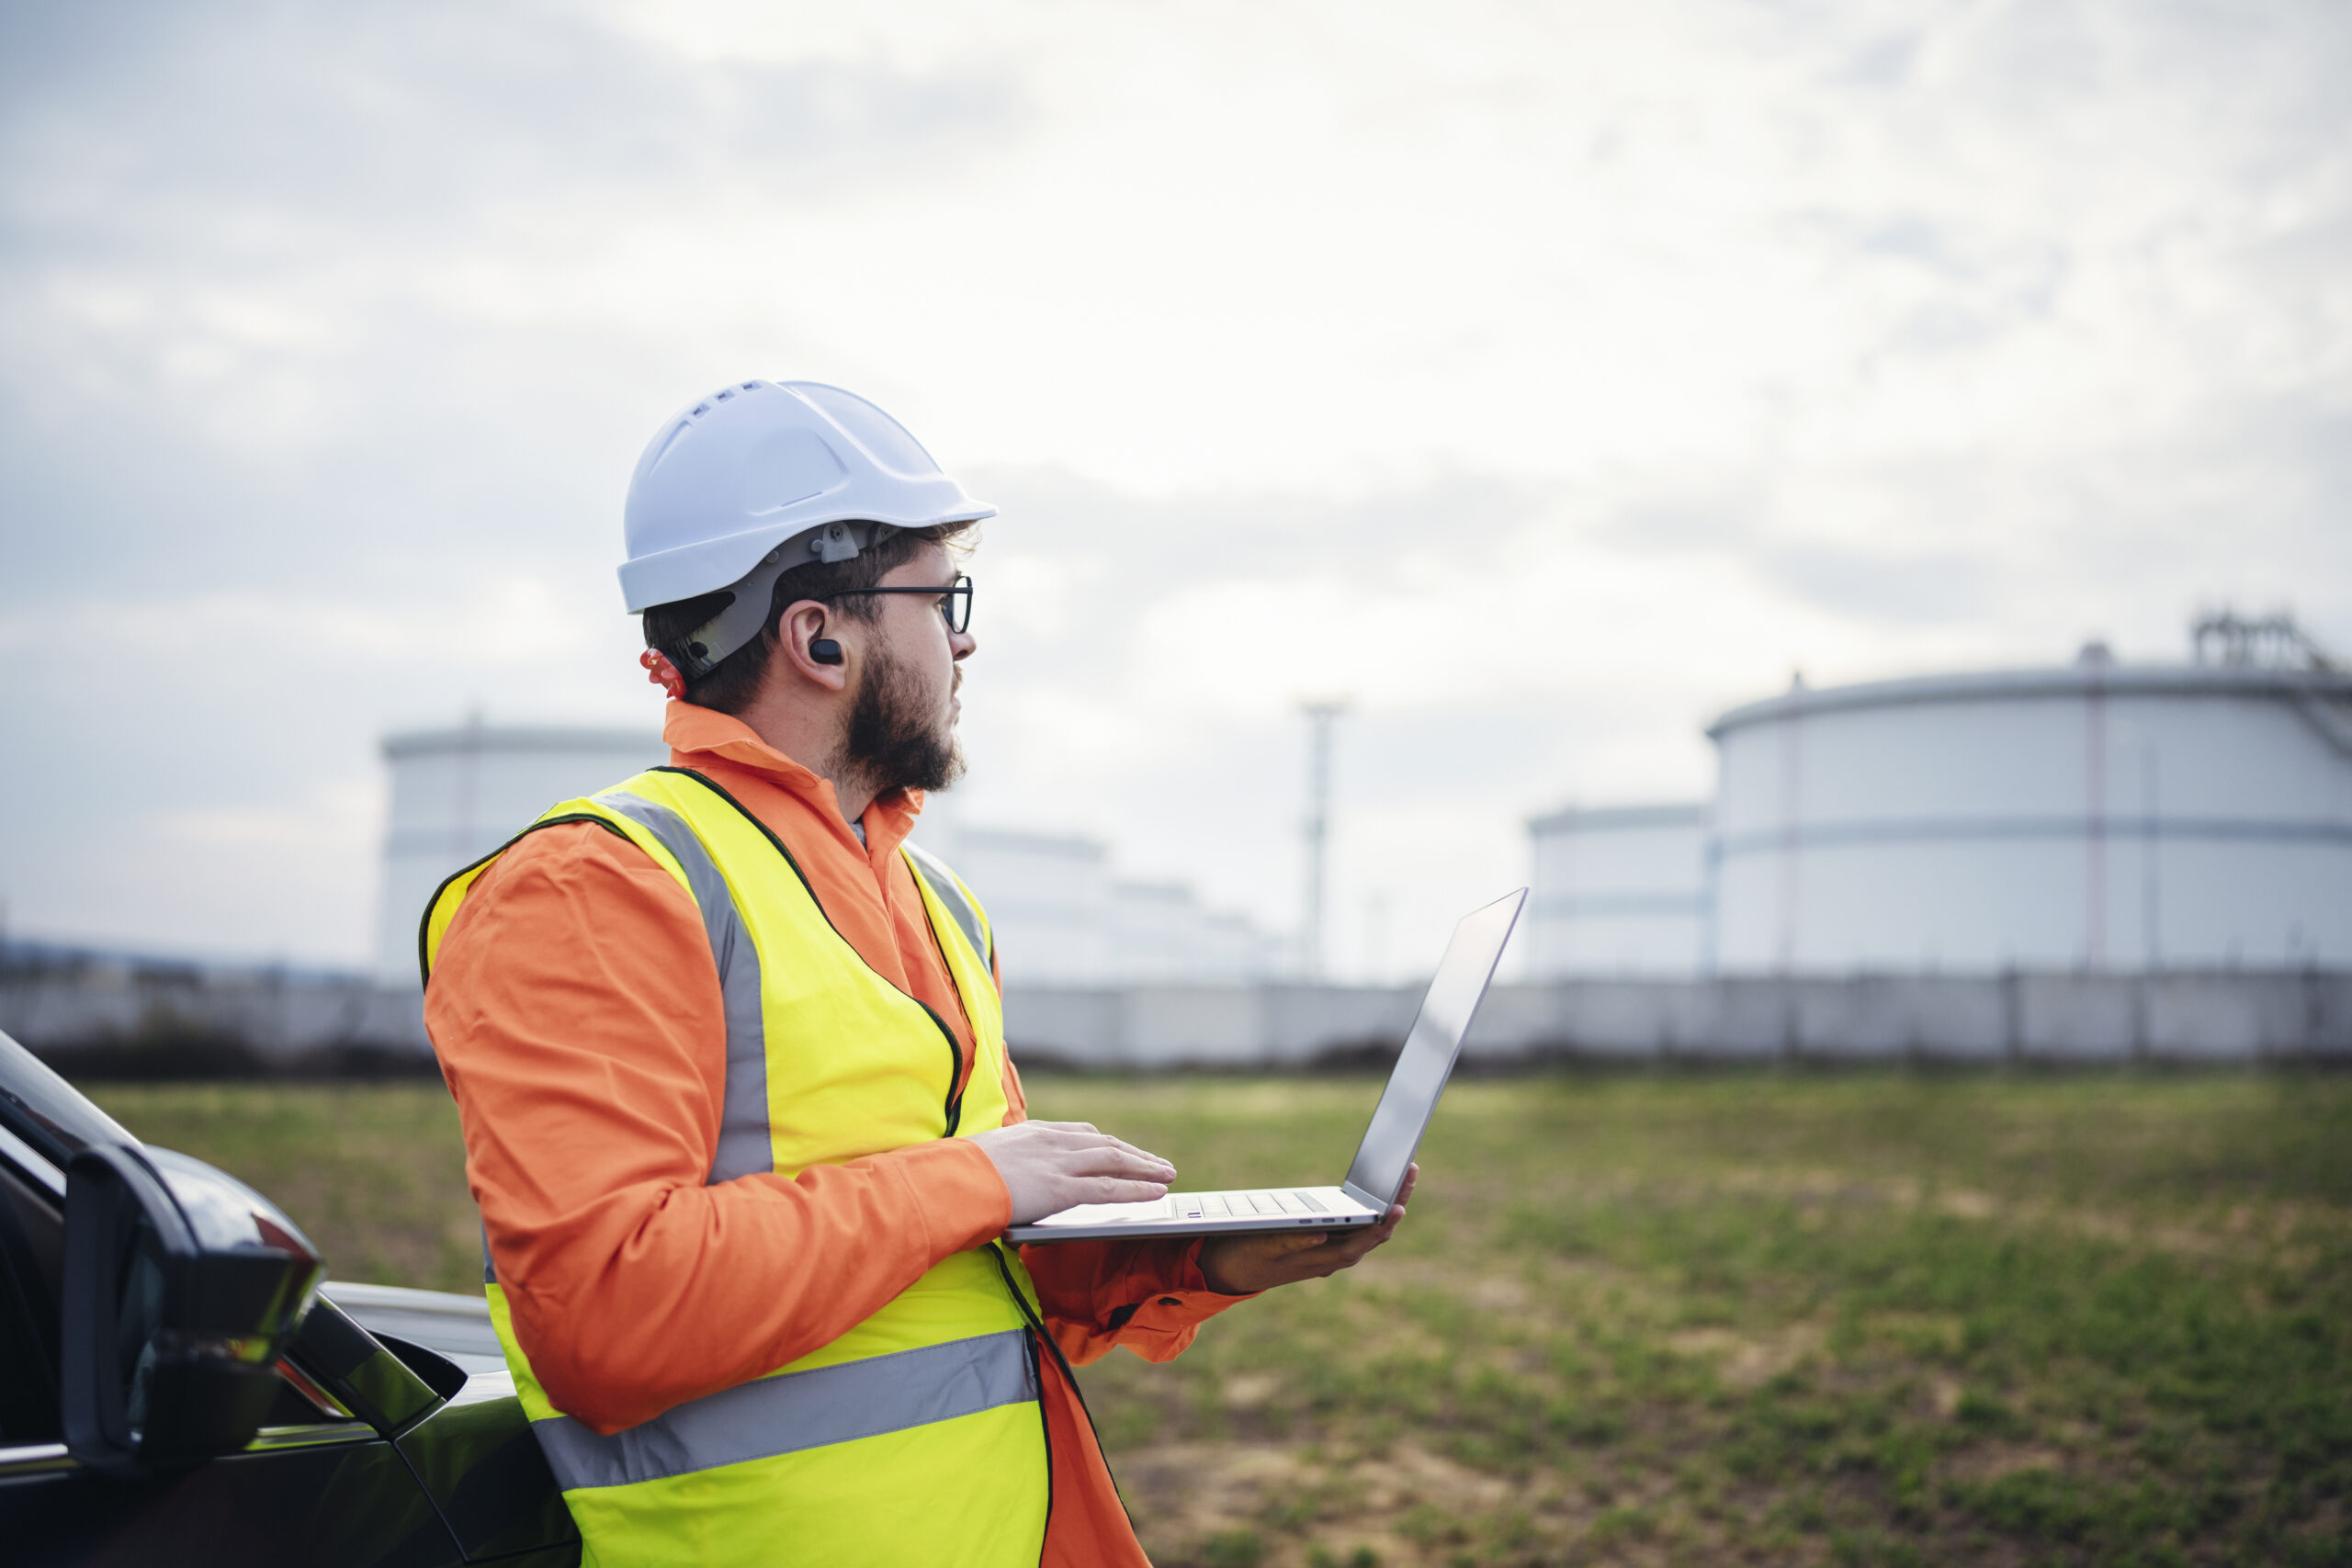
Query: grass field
x=1755 y=1318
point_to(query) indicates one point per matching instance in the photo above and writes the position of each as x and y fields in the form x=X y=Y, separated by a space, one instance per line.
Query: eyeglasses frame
x=959 y=590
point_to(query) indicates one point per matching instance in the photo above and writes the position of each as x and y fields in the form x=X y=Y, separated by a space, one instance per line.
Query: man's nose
x=961 y=644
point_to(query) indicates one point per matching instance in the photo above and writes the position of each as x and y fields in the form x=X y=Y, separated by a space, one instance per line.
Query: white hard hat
x=752 y=467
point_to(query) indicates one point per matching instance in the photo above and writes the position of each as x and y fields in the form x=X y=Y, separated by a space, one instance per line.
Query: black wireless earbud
x=824 y=651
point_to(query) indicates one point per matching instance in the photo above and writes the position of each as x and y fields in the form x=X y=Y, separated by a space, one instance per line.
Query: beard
x=899 y=738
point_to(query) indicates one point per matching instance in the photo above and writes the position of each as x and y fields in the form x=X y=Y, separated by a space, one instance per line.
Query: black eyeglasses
x=954 y=599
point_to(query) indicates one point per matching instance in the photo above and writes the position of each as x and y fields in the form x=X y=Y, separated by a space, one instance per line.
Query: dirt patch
x=1991 y=1461
x=1747 y=1361
x=1967 y=1203
x=1208 y=1503
x=1248 y=1391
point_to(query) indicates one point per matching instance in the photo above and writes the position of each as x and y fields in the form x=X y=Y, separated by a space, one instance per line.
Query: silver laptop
x=1390 y=1143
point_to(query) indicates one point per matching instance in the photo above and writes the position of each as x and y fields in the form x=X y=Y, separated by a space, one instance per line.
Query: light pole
x=1320 y=714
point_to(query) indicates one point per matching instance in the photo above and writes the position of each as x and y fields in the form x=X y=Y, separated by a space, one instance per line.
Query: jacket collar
x=693 y=732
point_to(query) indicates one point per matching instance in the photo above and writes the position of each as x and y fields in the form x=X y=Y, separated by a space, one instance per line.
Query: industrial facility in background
x=1062 y=915
x=2099 y=817
x=2094 y=863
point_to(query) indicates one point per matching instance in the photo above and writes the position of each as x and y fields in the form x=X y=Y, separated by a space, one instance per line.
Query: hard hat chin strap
x=750 y=595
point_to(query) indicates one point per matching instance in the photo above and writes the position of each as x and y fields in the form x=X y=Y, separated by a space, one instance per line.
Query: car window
x=32 y=1242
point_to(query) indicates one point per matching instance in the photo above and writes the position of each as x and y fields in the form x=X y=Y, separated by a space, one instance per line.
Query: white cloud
x=1546 y=377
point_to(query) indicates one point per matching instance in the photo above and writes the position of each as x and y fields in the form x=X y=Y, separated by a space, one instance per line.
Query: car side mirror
x=180 y=1287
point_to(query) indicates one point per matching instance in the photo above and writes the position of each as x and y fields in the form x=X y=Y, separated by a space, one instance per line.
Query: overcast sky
x=1547 y=377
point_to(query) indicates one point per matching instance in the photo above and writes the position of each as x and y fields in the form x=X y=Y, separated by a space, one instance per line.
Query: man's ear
x=806 y=623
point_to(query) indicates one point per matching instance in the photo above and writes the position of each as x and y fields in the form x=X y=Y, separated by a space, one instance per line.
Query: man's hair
x=735 y=680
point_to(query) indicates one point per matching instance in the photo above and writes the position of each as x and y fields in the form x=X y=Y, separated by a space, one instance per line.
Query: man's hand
x=1052 y=1166
x=1238 y=1265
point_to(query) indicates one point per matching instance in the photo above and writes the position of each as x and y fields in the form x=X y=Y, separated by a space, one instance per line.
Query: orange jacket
x=577 y=1016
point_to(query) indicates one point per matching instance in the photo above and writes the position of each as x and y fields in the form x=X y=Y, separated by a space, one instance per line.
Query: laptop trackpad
x=1112 y=1214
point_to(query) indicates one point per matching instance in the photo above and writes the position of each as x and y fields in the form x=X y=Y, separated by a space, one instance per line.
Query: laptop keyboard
x=1264 y=1210
x=1232 y=1205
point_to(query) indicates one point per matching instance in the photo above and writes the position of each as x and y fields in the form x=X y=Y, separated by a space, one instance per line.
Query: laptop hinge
x=1377 y=1205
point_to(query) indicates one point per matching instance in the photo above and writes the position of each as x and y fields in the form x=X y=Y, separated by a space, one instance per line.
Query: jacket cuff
x=1180 y=1303
x=955 y=1186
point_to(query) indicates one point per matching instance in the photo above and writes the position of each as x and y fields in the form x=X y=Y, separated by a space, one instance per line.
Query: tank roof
x=1603 y=818
x=2063 y=681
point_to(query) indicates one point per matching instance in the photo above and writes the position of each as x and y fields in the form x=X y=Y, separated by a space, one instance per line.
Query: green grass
x=1743 y=1318
x=1766 y=1319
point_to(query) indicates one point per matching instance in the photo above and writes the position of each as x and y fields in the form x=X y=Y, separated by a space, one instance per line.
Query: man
x=730 y=1064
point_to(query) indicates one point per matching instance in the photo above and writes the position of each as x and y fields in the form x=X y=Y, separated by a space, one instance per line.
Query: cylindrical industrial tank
x=2098 y=815
x=458 y=794
x=1618 y=890
x=1047 y=897
x=1062 y=919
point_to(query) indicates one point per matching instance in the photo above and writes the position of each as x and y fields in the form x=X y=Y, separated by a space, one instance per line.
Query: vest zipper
x=956 y=1085
x=953 y=1112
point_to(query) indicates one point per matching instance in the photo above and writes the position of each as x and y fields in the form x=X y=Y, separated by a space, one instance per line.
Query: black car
x=178 y=1384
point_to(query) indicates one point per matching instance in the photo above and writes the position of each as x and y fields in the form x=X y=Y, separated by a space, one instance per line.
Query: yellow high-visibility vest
x=916 y=1437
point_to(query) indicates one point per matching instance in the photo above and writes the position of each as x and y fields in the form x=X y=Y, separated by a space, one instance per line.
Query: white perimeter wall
x=1990 y=1019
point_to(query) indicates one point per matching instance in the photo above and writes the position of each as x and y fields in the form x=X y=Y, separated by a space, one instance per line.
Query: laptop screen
x=1406 y=1105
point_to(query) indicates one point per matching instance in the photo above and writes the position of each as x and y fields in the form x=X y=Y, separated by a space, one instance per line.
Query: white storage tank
x=1062 y=919
x=2098 y=815
x=1618 y=890
x=1047 y=897
x=458 y=794
x=1163 y=935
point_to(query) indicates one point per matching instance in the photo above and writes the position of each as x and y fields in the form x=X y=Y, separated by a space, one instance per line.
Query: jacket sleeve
x=577 y=1016
x=1147 y=1295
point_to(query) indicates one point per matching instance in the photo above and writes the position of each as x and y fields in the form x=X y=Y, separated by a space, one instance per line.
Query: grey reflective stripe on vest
x=799 y=1410
x=952 y=896
x=744 y=1145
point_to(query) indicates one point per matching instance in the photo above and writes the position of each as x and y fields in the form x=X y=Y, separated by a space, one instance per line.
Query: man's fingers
x=1144 y=1154
x=1353 y=1245
x=1078 y=1141
x=1115 y=1159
